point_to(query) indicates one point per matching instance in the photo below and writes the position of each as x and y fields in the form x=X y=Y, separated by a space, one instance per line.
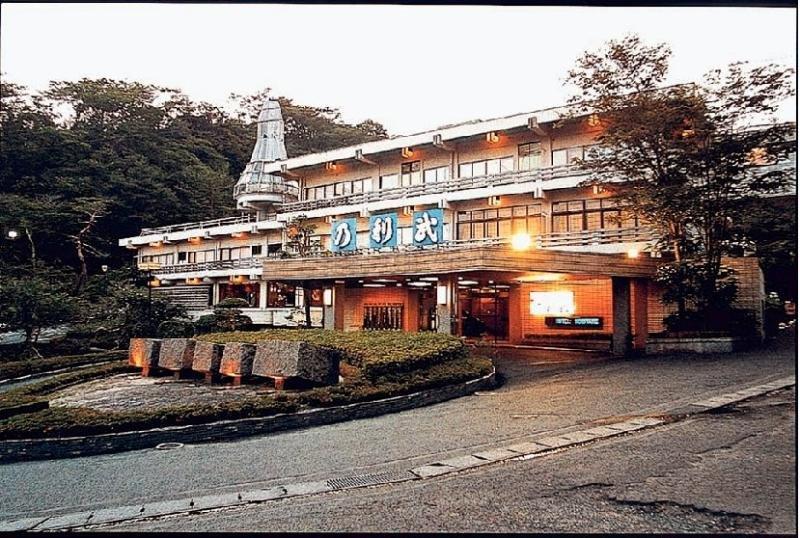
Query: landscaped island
x=373 y=365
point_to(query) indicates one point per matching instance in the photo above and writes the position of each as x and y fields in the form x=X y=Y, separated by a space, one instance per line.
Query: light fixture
x=492 y=137
x=330 y=165
x=521 y=241
x=407 y=153
x=155 y=244
x=494 y=200
x=104 y=268
x=384 y=280
x=238 y=235
x=155 y=283
x=374 y=285
x=633 y=253
x=195 y=240
x=419 y=284
x=541 y=277
x=327 y=297
x=593 y=121
x=360 y=281
x=430 y=278
x=597 y=189
x=408 y=210
x=12 y=234
x=468 y=283
x=441 y=295
x=399 y=284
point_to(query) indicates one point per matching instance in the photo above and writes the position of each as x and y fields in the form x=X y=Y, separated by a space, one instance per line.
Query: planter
x=695 y=344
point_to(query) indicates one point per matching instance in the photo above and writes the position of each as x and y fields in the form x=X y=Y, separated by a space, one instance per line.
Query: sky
x=411 y=68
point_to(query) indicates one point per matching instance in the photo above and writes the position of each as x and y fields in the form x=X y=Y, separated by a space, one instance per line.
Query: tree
x=299 y=231
x=682 y=157
x=31 y=301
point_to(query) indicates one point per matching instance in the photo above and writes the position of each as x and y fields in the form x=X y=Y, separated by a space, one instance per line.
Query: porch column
x=621 y=312
x=639 y=305
x=445 y=318
x=515 y=315
x=262 y=294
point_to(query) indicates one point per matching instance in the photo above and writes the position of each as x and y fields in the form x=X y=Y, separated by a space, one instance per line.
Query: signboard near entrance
x=586 y=322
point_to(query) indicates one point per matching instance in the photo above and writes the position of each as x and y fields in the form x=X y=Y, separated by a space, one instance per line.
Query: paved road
x=731 y=472
x=533 y=400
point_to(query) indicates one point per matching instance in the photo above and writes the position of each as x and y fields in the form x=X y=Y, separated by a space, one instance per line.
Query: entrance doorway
x=427 y=310
x=484 y=311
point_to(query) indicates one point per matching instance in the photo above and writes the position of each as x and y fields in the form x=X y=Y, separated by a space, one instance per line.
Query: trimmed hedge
x=11 y=370
x=75 y=421
x=376 y=353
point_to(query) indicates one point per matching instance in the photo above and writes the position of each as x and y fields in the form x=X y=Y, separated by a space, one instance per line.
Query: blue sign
x=343 y=235
x=428 y=227
x=383 y=231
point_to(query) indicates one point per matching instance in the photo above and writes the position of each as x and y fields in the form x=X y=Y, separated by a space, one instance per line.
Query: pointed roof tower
x=257 y=188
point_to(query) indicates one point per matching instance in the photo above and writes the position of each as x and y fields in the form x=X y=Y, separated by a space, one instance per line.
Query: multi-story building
x=482 y=228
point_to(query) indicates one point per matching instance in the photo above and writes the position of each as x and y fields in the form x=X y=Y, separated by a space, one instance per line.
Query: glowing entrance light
x=521 y=241
x=552 y=302
x=633 y=253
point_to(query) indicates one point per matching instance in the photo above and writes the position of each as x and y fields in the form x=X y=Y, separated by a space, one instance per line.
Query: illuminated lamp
x=238 y=235
x=12 y=234
x=441 y=295
x=330 y=165
x=155 y=283
x=156 y=244
x=468 y=283
x=633 y=253
x=521 y=241
x=408 y=210
x=374 y=285
x=597 y=189
x=593 y=120
x=430 y=278
x=492 y=137
x=330 y=218
x=494 y=200
x=327 y=297
x=195 y=240
x=419 y=284
x=407 y=153
x=384 y=280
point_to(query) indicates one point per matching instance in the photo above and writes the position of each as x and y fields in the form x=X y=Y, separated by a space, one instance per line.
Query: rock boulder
x=280 y=358
x=143 y=352
x=207 y=357
x=237 y=359
x=176 y=353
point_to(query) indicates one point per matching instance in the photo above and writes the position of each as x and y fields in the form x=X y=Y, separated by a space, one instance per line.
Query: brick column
x=515 y=315
x=621 y=308
x=446 y=321
x=639 y=291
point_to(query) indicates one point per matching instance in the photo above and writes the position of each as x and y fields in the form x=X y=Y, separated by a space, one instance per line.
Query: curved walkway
x=533 y=400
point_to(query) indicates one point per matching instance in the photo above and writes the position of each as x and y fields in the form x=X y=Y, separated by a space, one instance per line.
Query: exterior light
x=104 y=268
x=468 y=283
x=430 y=278
x=633 y=253
x=597 y=189
x=195 y=240
x=494 y=200
x=441 y=295
x=238 y=235
x=407 y=153
x=408 y=210
x=593 y=121
x=492 y=137
x=330 y=165
x=155 y=244
x=686 y=133
x=327 y=297
x=12 y=234
x=521 y=241
x=374 y=285
x=419 y=284
x=154 y=283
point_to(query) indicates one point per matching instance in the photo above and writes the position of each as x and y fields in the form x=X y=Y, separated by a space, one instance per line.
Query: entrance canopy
x=494 y=258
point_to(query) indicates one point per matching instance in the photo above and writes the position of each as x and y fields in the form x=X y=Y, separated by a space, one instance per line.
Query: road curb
x=536 y=447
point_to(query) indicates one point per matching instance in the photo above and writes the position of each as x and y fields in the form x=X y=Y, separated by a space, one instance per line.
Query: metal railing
x=242 y=263
x=496 y=180
x=242 y=219
x=268 y=187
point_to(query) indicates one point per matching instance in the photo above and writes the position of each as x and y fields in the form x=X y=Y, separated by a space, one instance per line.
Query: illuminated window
x=552 y=303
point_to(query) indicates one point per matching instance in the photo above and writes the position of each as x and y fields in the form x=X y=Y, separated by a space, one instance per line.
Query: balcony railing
x=243 y=219
x=590 y=238
x=508 y=178
x=268 y=188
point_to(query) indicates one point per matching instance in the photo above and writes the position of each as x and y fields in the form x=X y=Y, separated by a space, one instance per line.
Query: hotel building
x=480 y=229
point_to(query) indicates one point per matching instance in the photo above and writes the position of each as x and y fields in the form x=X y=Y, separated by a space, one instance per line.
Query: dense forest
x=85 y=163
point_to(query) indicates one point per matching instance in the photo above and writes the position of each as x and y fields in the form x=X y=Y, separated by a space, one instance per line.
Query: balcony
x=242 y=264
x=267 y=188
x=243 y=219
x=460 y=184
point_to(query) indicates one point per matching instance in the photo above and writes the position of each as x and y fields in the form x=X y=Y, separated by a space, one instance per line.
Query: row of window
x=279 y=295
x=580 y=215
x=501 y=222
x=411 y=173
x=223 y=254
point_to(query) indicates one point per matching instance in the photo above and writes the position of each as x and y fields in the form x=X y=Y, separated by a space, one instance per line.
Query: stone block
x=176 y=353
x=207 y=357
x=143 y=352
x=237 y=359
x=280 y=358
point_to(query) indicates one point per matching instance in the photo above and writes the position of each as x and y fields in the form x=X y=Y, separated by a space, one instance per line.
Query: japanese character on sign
x=428 y=227
x=343 y=235
x=383 y=231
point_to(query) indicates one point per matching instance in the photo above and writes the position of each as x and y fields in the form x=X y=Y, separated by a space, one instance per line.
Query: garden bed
x=15 y=369
x=375 y=366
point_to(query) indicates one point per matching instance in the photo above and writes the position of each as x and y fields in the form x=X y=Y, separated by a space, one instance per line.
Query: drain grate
x=369 y=479
x=169 y=446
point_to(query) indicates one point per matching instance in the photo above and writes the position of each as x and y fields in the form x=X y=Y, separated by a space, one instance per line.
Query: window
x=163 y=259
x=410 y=174
x=437 y=175
x=530 y=156
x=200 y=256
x=256 y=250
x=248 y=292
x=389 y=181
x=486 y=167
x=234 y=253
x=181 y=257
x=280 y=295
x=503 y=222
x=562 y=157
x=579 y=215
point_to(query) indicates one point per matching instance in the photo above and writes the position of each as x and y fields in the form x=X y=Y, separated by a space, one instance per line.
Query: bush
x=728 y=321
x=232 y=302
x=377 y=353
x=174 y=328
x=226 y=318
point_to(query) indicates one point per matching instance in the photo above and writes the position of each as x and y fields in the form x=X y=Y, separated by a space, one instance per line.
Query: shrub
x=377 y=353
x=174 y=328
x=731 y=321
x=232 y=302
x=226 y=318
